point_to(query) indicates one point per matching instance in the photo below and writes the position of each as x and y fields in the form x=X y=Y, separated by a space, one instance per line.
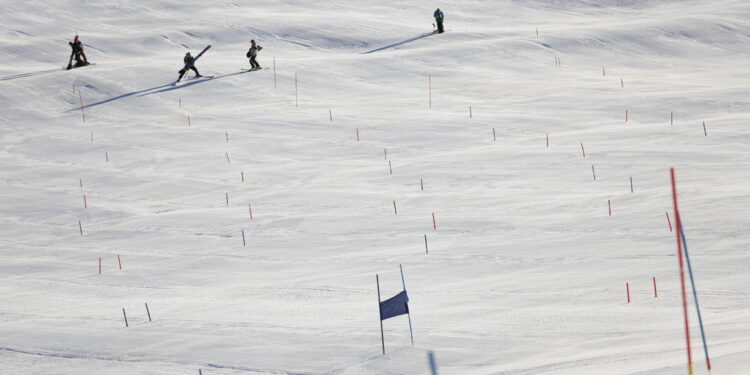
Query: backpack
x=253 y=52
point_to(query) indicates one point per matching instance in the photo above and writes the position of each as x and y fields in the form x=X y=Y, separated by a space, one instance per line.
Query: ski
x=192 y=79
x=79 y=66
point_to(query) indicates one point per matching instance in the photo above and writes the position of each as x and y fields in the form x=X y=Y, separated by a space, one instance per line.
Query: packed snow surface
x=362 y=126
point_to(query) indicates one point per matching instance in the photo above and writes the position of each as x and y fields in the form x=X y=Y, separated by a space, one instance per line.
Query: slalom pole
x=83 y=115
x=408 y=313
x=380 y=313
x=695 y=298
x=682 y=272
x=433 y=365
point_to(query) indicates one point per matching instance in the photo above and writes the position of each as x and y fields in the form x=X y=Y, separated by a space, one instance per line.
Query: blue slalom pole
x=433 y=365
x=411 y=333
x=695 y=297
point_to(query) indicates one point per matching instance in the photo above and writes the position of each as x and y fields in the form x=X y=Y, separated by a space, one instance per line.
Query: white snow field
x=526 y=271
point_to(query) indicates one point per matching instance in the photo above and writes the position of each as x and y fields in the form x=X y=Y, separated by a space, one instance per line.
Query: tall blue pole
x=695 y=297
x=380 y=314
x=433 y=365
x=411 y=333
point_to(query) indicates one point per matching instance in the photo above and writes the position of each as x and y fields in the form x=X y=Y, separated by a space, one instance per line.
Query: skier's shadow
x=123 y=96
x=174 y=86
x=159 y=89
x=30 y=74
x=425 y=35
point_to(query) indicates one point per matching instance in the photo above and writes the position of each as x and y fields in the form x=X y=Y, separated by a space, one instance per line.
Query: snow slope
x=526 y=270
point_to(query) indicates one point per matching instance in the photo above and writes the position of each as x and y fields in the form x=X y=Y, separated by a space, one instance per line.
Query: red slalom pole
x=250 y=208
x=395 y=212
x=609 y=206
x=100 y=266
x=682 y=271
x=119 y=262
x=85 y=203
x=627 y=288
x=434 y=225
x=656 y=295
x=669 y=222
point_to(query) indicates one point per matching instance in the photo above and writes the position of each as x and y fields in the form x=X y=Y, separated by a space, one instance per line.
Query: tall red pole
x=678 y=226
x=669 y=222
x=627 y=288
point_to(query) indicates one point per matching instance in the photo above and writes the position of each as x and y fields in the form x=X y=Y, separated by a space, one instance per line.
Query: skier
x=77 y=52
x=252 y=53
x=189 y=61
x=439 y=17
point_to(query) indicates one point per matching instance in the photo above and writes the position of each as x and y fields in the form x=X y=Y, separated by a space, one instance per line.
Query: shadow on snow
x=159 y=89
x=425 y=35
x=31 y=74
x=191 y=83
x=121 y=96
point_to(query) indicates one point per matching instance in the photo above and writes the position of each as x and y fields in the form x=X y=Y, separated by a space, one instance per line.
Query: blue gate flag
x=394 y=306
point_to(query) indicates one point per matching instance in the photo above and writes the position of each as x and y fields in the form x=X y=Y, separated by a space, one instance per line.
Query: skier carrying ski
x=252 y=53
x=77 y=52
x=189 y=65
x=439 y=17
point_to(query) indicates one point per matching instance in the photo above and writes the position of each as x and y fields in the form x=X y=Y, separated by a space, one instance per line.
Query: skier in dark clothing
x=439 y=17
x=77 y=53
x=189 y=61
x=252 y=53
